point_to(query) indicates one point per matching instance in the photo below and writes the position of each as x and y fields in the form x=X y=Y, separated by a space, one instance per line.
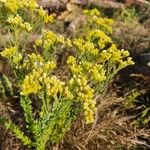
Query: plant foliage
x=58 y=101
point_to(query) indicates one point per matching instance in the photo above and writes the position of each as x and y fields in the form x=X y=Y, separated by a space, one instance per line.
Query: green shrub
x=59 y=100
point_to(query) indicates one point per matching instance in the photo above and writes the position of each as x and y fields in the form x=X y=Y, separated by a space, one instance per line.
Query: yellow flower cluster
x=9 y=52
x=91 y=13
x=100 y=38
x=44 y=15
x=13 y=55
x=16 y=60
x=116 y=56
x=116 y=53
x=97 y=73
x=54 y=87
x=15 y=5
x=97 y=60
x=30 y=84
x=49 y=39
x=74 y=67
x=92 y=71
x=71 y=60
x=123 y=64
x=32 y=61
x=85 y=47
x=85 y=94
x=40 y=79
x=30 y=4
x=38 y=76
x=107 y=49
x=19 y=23
x=37 y=62
x=68 y=42
x=35 y=57
x=93 y=17
x=104 y=23
x=3 y=1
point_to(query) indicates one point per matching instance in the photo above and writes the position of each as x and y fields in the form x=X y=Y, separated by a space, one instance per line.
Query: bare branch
x=107 y=4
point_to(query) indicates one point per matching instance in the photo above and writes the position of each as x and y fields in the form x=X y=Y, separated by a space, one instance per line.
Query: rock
x=71 y=7
x=144 y=59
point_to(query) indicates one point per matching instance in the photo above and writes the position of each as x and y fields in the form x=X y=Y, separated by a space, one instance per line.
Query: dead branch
x=107 y=4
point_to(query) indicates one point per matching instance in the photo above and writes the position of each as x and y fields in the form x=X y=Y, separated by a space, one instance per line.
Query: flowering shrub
x=59 y=101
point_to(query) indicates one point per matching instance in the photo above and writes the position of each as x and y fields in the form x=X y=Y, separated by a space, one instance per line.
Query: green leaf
x=16 y=130
x=8 y=85
x=28 y=114
x=145 y=112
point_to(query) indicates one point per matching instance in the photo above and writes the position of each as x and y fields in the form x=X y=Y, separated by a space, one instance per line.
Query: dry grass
x=113 y=129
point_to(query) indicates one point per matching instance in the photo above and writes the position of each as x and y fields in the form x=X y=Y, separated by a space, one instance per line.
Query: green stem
x=44 y=102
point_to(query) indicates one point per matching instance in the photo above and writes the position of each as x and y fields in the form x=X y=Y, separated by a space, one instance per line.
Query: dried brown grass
x=113 y=129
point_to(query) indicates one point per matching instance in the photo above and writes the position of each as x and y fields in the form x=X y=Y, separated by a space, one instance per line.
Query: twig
x=107 y=4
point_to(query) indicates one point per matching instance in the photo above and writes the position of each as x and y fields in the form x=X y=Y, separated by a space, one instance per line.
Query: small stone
x=71 y=7
x=148 y=64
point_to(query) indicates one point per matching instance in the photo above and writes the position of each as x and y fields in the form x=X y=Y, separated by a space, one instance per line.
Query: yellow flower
x=3 y=1
x=104 y=56
x=26 y=26
x=91 y=12
x=9 y=52
x=104 y=23
x=76 y=69
x=68 y=42
x=43 y=14
x=13 y=5
x=30 y=85
x=54 y=86
x=49 y=65
x=48 y=18
x=17 y=58
x=87 y=65
x=35 y=58
x=71 y=60
x=124 y=53
x=97 y=73
x=49 y=39
x=85 y=94
x=31 y=4
x=93 y=17
x=18 y=22
x=130 y=61
x=100 y=37
x=85 y=48
x=67 y=93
